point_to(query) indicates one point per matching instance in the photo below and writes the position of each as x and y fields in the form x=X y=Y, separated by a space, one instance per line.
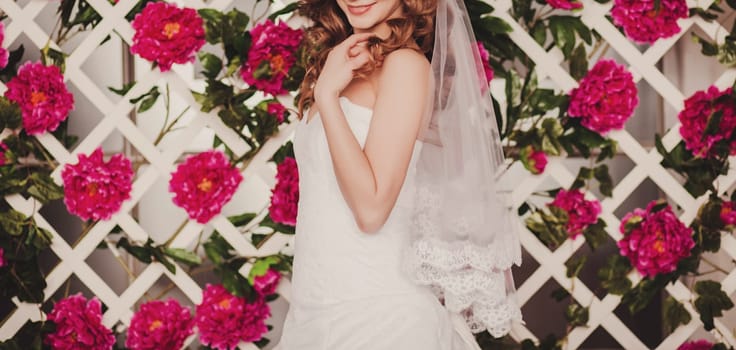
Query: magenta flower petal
x=580 y=212
x=645 y=22
x=533 y=160
x=160 y=325
x=224 y=320
x=3 y=51
x=267 y=283
x=285 y=195
x=699 y=109
x=167 y=34
x=605 y=98
x=565 y=4
x=203 y=184
x=79 y=325
x=271 y=56
x=42 y=96
x=95 y=189
x=277 y=110
x=657 y=243
x=701 y=344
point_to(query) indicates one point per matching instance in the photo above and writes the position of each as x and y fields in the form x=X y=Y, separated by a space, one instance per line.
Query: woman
x=360 y=251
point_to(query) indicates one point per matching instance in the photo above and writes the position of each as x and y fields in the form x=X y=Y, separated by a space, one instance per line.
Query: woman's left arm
x=370 y=179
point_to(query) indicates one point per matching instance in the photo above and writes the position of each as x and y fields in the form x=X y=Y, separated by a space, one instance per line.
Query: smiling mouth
x=359 y=10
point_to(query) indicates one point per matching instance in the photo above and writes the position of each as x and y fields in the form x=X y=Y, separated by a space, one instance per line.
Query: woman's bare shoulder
x=405 y=58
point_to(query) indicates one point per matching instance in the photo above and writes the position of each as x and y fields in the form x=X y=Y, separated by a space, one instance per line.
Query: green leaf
x=286 y=10
x=135 y=100
x=642 y=294
x=605 y=182
x=183 y=255
x=242 y=219
x=142 y=254
x=212 y=64
x=539 y=33
x=38 y=237
x=211 y=15
x=43 y=188
x=268 y=222
x=674 y=314
x=613 y=275
x=579 y=62
x=562 y=33
x=10 y=115
x=495 y=25
x=706 y=48
x=711 y=302
x=12 y=222
x=217 y=249
x=261 y=266
x=559 y=294
x=584 y=174
x=713 y=125
x=595 y=234
x=575 y=265
x=149 y=101
x=576 y=315
x=123 y=90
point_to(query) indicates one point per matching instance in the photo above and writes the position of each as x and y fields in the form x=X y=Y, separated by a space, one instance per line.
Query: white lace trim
x=469 y=279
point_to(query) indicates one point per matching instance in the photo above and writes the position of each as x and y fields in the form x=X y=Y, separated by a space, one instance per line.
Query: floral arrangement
x=249 y=64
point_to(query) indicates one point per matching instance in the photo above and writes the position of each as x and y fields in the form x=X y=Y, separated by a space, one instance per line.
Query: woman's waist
x=341 y=282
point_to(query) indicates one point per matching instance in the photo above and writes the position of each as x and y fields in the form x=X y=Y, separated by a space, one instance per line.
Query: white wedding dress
x=348 y=288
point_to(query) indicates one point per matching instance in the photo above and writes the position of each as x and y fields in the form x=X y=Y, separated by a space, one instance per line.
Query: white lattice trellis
x=162 y=162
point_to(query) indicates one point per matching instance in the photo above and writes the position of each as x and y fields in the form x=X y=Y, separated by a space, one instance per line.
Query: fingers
x=359 y=60
x=357 y=49
x=357 y=38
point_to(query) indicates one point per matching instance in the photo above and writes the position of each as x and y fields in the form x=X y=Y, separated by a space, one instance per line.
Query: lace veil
x=464 y=239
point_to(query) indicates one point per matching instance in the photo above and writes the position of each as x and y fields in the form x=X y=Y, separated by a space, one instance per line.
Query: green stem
x=713 y=265
x=46 y=156
x=87 y=226
x=176 y=233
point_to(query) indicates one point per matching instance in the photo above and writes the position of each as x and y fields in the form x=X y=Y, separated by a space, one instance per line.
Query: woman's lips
x=359 y=10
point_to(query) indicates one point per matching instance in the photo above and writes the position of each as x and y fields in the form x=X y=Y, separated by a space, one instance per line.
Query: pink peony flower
x=696 y=345
x=79 y=325
x=42 y=96
x=167 y=34
x=95 y=189
x=285 y=195
x=645 y=21
x=266 y=284
x=605 y=98
x=699 y=109
x=580 y=212
x=728 y=213
x=565 y=4
x=3 y=157
x=657 y=243
x=203 y=183
x=533 y=160
x=3 y=51
x=225 y=320
x=271 y=56
x=2 y=257
x=277 y=110
x=160 y=325
x=485 y=56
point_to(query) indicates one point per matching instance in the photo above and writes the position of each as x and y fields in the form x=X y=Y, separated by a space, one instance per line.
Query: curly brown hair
x=331 y=27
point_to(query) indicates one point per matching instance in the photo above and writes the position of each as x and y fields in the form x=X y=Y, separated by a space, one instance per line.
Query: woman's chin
x=361 y=25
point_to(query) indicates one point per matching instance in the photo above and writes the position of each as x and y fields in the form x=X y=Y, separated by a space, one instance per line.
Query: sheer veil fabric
x=464 y=239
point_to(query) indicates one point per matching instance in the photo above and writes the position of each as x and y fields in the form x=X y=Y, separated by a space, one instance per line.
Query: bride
x=401 y=240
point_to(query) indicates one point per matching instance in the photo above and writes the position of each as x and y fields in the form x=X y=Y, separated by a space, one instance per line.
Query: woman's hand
x=337 y=72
